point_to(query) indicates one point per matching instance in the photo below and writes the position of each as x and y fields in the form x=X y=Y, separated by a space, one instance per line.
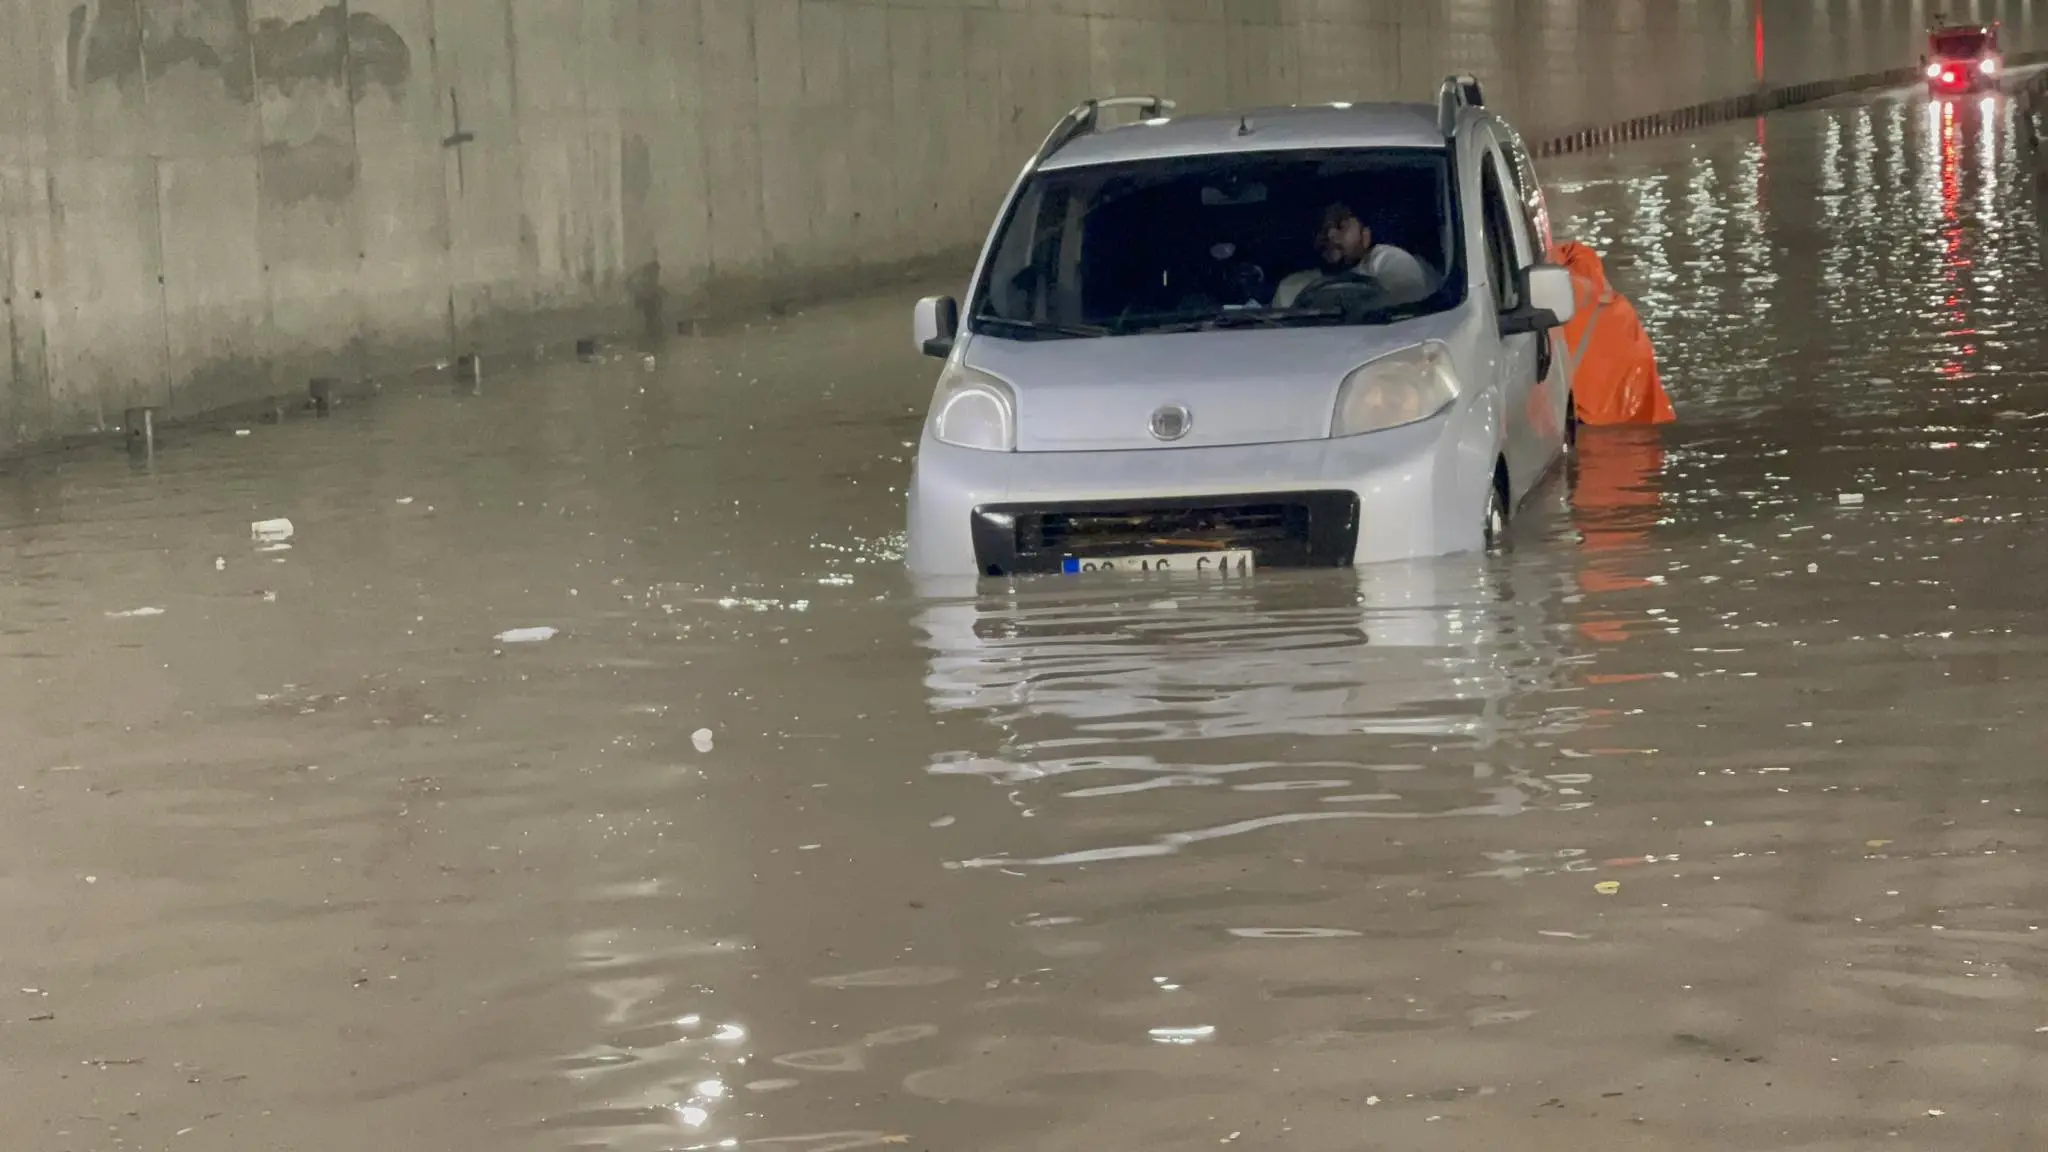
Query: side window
x=1503 y=261
x=1013 y=291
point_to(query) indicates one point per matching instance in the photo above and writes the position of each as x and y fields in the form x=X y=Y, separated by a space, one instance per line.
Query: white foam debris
x=702 y=739
x=527 y=635
x=760 y=604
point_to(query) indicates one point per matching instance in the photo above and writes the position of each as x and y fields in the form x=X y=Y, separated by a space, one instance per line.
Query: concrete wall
x=207 y=201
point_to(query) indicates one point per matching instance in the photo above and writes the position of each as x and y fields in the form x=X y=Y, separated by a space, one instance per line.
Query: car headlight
x=1400 y=388
x=974 y=410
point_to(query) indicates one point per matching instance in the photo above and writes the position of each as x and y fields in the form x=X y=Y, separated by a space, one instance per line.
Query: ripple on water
x=907 y=977
x=1294 y=933
x=1404 y=669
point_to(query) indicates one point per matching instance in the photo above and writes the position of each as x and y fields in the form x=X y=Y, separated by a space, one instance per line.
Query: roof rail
x=1943 y=22
x=1458 y=93
x=1083 y=118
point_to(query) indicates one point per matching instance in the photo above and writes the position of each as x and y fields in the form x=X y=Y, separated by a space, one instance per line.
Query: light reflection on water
x=1848 y=259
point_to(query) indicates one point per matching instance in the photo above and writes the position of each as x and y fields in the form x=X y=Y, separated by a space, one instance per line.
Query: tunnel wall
x=209 y=201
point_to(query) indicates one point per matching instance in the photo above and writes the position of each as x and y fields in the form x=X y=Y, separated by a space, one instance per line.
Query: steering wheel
x=1347 y=290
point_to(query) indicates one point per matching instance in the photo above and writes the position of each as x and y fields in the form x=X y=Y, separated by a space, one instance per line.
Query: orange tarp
x=1613 y=367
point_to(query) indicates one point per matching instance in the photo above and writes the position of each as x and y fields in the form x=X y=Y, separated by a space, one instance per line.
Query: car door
x=1507 y=252
x=1553 y=368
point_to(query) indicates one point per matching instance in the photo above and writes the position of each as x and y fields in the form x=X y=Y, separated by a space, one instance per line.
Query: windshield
x=1960 y=42
x=1353 y=236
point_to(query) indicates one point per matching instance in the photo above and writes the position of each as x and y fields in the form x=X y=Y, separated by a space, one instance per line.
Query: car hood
x=1244 y=386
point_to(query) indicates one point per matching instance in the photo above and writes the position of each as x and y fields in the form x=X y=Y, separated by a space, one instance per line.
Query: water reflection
x=1868 y=248
x=1389 y=689
x=1617 y=502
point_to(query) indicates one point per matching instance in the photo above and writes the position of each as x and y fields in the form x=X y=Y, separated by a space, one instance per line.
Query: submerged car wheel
x=1496 y=524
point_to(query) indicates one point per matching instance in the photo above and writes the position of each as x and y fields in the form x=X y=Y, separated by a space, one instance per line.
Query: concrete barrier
x=208 y=201
x=1759 y=103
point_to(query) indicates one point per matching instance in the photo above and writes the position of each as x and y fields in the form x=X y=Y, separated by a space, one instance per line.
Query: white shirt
x=1399 y=274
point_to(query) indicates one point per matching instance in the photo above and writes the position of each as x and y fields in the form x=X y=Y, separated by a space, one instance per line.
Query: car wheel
x=1496 y=522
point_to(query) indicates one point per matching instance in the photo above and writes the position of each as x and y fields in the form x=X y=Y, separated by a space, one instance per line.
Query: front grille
x=1282 y=529
x=1072 y=532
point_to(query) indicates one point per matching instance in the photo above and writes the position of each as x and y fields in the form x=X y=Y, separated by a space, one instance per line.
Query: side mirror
x=1548 y=288
x=936 y=325
x=1548 y=301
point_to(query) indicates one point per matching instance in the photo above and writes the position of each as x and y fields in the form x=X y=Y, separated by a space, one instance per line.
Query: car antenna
x=1244 y=125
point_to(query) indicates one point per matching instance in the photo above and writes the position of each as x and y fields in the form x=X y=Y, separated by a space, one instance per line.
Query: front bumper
x=1414 y=491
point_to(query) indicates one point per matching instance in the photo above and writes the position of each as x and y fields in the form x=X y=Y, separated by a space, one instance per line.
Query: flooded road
x=586 y=773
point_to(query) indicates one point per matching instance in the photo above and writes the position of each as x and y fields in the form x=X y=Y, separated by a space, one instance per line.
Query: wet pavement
x=762 y=847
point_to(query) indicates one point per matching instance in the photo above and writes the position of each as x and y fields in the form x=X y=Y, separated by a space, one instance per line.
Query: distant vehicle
x=1962 y=58
x=1309 y=337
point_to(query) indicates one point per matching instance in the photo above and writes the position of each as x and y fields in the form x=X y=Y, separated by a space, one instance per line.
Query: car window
x=1025 y=273
x=1503 y=257
x=1224 y=240
x=1961 y=42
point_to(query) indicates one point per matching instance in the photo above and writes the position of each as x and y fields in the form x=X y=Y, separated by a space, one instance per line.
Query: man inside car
x=1350 y=257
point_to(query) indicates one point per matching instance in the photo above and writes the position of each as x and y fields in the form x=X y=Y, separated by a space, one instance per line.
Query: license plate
x=1233 y=562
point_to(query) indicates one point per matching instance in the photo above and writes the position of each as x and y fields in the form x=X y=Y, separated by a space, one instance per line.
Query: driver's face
x=1342 y=240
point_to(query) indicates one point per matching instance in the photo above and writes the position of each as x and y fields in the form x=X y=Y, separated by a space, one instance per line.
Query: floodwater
x=761 y=848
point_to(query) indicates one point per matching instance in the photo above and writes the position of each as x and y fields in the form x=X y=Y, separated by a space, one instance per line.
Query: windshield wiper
x=1039 y=329
x=1210 y=321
